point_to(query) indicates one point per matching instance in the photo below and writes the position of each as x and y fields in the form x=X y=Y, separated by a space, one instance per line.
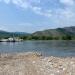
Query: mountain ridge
x=5 y=34
x=48 y=32
x=56 y=32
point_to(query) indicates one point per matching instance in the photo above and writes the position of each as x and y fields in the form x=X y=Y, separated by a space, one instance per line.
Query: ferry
x=11 y=40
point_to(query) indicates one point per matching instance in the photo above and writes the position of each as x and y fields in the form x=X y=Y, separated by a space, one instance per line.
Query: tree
x=66 y=37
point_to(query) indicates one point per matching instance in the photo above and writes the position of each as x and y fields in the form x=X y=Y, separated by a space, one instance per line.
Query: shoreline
x=33 y=63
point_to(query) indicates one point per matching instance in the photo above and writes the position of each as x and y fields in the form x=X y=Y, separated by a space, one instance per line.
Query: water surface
x=47 y=48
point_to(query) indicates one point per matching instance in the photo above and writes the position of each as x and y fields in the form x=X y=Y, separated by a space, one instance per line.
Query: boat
x=11 y=40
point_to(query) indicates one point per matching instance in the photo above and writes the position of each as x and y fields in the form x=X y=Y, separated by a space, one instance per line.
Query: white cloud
x=33 y=5
x=21 y=3
x=29 y=4
x=34 y=1
x=67 y=2
x=65 y=13
x=64 y=17
x=5 y=28
x=40 y=11
x=7 y=1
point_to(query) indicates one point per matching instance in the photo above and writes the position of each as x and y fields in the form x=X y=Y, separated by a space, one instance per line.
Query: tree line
x=31 y=37
x=65 y=37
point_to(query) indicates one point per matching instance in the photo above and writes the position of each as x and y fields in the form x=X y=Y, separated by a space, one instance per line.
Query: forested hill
x=57 y=32
x=5 y=34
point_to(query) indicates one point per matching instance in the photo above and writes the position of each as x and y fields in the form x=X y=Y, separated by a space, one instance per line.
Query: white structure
x=11 y=40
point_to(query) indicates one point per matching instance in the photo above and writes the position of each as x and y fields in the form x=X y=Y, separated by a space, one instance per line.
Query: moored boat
x=11 y=40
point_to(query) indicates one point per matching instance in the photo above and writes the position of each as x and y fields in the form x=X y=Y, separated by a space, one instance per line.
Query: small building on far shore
x=15 y=39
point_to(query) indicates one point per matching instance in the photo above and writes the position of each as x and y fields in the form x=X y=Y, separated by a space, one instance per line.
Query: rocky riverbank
x=35 y=64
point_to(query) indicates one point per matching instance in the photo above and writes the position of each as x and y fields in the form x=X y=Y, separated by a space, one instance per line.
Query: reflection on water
x=54 y=48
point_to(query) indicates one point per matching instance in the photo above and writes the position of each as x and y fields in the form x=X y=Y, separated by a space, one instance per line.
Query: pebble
x=33 y=62
x=72 y=62
x=58 y=71
x=51 y=74
x=43 y=66
x=64 y=69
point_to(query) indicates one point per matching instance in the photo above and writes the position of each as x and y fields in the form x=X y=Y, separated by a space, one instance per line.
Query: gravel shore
x=35 y=64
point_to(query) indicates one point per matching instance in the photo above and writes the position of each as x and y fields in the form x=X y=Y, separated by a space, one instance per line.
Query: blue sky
x=34 y=15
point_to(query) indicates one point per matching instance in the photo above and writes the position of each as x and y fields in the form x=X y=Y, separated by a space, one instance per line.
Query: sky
x=35 y=15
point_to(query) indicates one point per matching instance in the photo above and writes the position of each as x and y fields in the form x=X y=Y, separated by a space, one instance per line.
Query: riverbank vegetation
x=66 y=37
x=66 y=33
x=31 y=37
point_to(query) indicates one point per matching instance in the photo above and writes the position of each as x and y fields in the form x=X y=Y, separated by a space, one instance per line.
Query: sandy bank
x=35 y=64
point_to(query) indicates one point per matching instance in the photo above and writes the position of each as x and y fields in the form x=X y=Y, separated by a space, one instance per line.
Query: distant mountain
x=4 y=34
x=56 y=32
x=50 y=32
x=21 y=33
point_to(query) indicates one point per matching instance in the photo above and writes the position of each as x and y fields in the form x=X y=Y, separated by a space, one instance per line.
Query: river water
x=47 y=48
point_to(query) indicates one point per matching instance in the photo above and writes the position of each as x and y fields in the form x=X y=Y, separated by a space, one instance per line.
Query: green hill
x=4 y=34
x=50 y=34
x=56 y=32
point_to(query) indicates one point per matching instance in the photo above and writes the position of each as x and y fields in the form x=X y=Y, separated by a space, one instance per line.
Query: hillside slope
x=4 y=34
x=56 y=32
